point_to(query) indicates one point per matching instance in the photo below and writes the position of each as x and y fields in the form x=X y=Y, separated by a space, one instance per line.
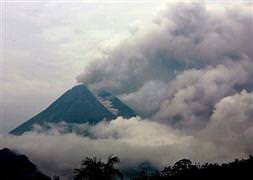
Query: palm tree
x=95 y=169
x=110 y=172
x=91 y=169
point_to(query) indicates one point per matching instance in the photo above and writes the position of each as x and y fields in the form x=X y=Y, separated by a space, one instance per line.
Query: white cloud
x=133 y=140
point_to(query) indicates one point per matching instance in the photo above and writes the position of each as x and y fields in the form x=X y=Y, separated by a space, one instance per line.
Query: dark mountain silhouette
x=77 y=105
x=18 y=167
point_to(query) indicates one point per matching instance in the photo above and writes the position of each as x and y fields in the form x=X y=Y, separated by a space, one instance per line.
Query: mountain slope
x=77 y=105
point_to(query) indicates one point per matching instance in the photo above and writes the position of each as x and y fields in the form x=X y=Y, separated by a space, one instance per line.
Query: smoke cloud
x=192 y=95
x=178 y=68
x=183 y=36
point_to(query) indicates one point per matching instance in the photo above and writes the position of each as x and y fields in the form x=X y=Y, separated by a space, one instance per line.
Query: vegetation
x=94 y=169
x=185 y=169
x=14 y=166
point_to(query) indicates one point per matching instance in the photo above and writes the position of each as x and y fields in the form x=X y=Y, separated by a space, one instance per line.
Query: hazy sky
x=46 y=44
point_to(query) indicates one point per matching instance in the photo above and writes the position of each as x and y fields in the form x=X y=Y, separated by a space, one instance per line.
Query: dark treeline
x=14 y=166
x=93 y=169
x=185 y=169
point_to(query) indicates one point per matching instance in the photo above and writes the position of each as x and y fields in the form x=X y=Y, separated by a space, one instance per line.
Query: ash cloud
x=183 y=37
x=193 y=94
x=231 y=122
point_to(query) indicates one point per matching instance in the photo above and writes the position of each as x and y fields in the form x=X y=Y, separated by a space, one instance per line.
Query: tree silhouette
x=167 y=171
x=56 y=177
x=95 y=169
x=184 y=169
x=110 y=172
x=91 y=169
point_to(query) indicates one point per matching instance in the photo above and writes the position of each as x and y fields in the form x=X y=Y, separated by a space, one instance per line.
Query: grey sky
x=46 y=44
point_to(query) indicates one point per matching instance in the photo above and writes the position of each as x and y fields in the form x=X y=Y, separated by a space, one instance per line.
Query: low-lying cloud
x=133 y=140
x=227 y=135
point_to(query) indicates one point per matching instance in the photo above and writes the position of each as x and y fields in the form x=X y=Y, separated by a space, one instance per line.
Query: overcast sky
x=46 y=44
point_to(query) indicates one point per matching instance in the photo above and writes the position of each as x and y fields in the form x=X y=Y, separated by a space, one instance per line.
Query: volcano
x=77 y=106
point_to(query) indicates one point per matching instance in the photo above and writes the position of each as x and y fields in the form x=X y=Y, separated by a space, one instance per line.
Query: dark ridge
x=14 y=166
